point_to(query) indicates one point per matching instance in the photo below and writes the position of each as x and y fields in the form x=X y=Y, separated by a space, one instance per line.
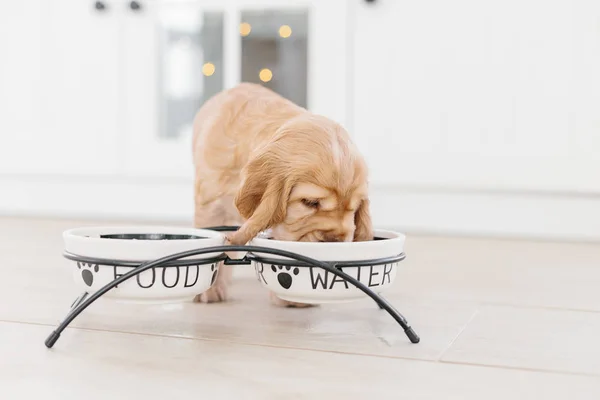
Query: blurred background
x=476 y=117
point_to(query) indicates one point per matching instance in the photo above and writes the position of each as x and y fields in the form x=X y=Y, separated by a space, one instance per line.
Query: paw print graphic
x=284 y=275
x=87 y=272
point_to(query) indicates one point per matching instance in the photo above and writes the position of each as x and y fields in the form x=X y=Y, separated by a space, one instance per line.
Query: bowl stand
x=85 y=300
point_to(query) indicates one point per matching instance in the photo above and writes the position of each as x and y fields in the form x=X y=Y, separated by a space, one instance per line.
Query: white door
x=21 y=30
x=59 y=87
x=179 y=54
x=502 y=95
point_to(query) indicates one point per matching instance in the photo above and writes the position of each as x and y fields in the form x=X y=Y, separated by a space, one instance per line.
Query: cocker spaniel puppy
x=262 y=162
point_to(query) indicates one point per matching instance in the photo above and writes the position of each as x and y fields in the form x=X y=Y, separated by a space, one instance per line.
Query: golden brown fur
x=263 y=163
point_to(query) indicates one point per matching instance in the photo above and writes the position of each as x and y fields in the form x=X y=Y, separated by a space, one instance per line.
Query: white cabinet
x=59 y=88
x=111 y=87
x=479 y=95
x=20 y=78
x=172 y=63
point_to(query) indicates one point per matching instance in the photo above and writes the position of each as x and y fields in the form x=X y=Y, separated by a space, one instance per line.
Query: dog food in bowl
x=99 y=255
x=374 y=263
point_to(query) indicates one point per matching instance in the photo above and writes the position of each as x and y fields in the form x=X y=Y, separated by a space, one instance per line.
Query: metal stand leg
x=54 y=337
x=409 y=331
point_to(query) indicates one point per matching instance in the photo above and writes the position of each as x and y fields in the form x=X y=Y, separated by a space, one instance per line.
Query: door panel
x=21 y=44
x=59 y=96
x=80 y=95
x=476 y=94
x=178 y=55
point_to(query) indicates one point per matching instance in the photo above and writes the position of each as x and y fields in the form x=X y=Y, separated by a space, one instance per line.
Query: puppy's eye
x=310 y=203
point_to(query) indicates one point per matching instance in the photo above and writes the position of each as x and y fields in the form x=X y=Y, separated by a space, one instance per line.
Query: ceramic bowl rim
x=385 y=234
x=393 y=245
x=86 y=241
x=81 y=233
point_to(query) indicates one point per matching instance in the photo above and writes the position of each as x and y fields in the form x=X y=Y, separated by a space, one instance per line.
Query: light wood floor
x=498 y=320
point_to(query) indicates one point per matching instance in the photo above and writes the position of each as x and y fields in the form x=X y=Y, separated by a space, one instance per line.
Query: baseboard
x=490 y=214
x=443 y=212
x=97 y=198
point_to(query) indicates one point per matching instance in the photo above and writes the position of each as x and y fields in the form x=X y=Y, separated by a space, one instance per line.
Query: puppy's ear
x=263 y=196
x=362 y=221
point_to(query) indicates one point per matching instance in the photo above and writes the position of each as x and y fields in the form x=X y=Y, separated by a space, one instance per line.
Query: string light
x=245 y=29
x=208 y=69
x=265 y=75
x=285 y=31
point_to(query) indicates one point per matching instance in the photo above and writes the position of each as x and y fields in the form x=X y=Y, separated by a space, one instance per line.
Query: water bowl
x=373 y=263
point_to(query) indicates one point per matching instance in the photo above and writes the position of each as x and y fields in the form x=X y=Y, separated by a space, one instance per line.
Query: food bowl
x=374 y=263
x=99 y=255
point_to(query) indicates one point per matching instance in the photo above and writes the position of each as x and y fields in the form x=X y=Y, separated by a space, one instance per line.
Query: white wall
x=478 y=118
x=481 y=117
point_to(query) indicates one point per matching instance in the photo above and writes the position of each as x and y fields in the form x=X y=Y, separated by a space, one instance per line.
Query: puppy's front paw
x=215 y=294
x=234 y=255
x=284 y=303
x=219 y=290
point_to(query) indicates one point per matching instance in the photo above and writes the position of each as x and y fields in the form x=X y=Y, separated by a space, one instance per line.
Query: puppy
x=262 y=162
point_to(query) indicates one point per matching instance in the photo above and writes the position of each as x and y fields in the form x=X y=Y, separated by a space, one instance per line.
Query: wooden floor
x=498 y=320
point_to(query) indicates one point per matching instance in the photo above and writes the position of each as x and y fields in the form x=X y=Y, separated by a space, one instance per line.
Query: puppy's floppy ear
x=263 y=196
x=362 y=221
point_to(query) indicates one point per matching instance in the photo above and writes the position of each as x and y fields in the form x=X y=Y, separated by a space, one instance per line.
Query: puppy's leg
x=218 y=292
x=284 y=303
x=215 y=214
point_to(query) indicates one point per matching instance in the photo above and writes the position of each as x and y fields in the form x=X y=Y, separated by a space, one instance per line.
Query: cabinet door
x=179 y=54
x=173 y=63
x=21 y=31
x=59 y=87
x=500 y=95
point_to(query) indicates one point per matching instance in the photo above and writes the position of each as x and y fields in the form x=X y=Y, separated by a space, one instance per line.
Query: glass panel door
x=174 y=63
x=179 y=54
x=299 y=49
x=275 y=51
x=190 y=55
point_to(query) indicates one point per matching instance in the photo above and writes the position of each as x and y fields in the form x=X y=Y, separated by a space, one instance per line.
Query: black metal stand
x=84 y=301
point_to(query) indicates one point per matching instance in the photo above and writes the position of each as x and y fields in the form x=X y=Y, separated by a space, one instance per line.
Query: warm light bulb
x=285 y=31
x=245 y=29
x=208 y=69
x=265 y=75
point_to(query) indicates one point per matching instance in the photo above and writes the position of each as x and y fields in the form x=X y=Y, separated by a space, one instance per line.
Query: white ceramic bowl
x=139 y=244
x=314 y=285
